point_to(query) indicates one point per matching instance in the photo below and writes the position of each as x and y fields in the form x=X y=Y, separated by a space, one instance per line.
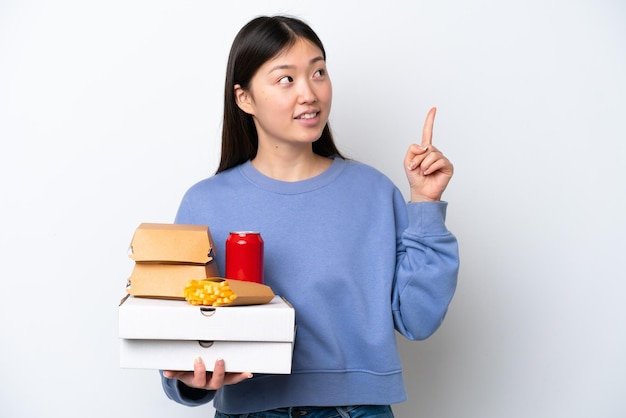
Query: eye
x=285 y=80
x=319 y=73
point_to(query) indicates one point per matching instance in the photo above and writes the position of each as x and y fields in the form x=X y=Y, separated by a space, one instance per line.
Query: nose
x=306 y=93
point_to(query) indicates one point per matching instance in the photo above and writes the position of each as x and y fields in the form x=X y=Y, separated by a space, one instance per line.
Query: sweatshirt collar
x=254 y=176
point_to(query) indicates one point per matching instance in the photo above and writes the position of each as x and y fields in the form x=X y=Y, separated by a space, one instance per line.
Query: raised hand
x=427 y=169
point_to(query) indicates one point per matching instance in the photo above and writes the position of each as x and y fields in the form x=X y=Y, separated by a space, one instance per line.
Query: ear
x=243 y=99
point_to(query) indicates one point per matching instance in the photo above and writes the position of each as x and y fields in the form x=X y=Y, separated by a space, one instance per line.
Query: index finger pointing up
x=427 y=132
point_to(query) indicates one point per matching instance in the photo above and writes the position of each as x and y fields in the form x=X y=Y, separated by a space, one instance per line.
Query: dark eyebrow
x=288 y=67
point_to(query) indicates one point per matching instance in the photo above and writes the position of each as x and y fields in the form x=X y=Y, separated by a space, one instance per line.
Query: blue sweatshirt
x=355 y=261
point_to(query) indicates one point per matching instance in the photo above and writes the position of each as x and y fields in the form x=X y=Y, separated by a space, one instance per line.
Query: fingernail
x=411 y=165
x=250 y=376
x=424 y=147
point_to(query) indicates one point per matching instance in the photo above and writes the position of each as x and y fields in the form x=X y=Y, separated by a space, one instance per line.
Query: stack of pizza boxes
x=159 y=329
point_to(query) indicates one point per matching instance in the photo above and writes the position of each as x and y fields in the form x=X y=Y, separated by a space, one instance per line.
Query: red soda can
x=244 y=256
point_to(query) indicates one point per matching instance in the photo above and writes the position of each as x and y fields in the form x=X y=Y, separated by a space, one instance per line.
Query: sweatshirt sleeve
x=185 y=395
x=426 y=271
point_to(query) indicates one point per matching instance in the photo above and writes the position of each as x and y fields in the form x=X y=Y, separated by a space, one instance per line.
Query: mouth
x=308 y=115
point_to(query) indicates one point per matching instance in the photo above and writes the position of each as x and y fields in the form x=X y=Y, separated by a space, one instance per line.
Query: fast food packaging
x=167 y=334
x=167 y=256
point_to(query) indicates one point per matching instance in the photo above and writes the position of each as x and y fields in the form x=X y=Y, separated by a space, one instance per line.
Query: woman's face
x=289 y=97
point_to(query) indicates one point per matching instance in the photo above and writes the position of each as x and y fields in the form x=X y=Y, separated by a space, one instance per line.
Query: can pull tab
x=207 y=311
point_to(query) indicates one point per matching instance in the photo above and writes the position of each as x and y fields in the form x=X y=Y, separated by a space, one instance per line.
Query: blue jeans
x=361 y=411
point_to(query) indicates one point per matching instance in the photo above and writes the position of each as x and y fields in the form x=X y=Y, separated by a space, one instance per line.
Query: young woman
x=355 y=260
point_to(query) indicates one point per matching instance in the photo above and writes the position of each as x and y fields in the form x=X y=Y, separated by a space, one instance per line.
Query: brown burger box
x=167 y=256
x=165 y=280
x=172 y=243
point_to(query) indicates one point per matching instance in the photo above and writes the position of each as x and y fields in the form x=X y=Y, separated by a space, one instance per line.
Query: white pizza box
x=164 y=319
x=238 y=356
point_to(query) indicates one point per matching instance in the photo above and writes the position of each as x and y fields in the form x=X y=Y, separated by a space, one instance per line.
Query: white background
x=109 y=110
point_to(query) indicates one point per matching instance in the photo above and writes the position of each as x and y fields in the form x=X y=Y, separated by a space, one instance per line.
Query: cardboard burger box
x=167 y=334
x=167 y=256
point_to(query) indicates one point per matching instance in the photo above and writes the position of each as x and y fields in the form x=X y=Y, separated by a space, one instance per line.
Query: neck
x=290 y=164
